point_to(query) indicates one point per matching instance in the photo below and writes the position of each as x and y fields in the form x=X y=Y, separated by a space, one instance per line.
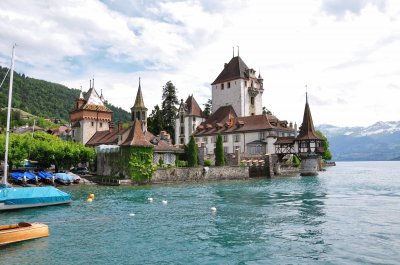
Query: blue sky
x=347 y=52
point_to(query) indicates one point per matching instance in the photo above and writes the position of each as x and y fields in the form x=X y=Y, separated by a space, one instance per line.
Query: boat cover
x=33 y=195
x=20 y=175
x=64 y=177
x=45 y=175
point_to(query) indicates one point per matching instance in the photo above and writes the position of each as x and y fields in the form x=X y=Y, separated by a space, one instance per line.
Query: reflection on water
x=347 y=215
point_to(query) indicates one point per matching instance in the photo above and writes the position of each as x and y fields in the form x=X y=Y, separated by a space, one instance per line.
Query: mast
x=4 y=181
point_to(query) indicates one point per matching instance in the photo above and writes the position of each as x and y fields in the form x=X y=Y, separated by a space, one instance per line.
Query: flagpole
x=4 y=182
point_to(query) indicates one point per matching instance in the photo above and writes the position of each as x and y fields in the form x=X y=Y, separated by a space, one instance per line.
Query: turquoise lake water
x=349 y=214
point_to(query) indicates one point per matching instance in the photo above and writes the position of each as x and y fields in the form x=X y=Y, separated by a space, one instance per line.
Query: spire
x=238 y=50
x=139 y=103
x=307 y=130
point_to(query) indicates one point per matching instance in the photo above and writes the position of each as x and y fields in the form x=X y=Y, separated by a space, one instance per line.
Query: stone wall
x=165 y=175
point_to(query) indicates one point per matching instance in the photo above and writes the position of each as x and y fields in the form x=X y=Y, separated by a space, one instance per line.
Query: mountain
x=380 y=141
x=45 y=99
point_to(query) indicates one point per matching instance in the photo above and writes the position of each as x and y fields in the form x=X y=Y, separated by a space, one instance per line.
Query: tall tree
x=219 y=152
x=169 y=109
x=155 y=121
x=207 y=108
x=192 y=152
x=327 y=153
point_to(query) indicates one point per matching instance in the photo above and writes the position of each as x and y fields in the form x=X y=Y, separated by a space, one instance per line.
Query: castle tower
x=90 y=116
x=189 y=117
x=139 y=111
x=238 y=86
x=309 y=145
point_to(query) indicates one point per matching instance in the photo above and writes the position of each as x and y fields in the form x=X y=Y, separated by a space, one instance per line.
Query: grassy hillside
x=45 y=99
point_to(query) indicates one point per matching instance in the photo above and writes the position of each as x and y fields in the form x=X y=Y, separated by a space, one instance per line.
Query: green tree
x=207 y=108
x=169 y=109
x=155 y=121
x=192 y=152
x=219 y=152
x=325 y=143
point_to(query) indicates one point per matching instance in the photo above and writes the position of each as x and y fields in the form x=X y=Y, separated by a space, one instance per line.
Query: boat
x=21 y=232
x=63 y=178
x=24 y=177
x=25 y=197
x=47 y=177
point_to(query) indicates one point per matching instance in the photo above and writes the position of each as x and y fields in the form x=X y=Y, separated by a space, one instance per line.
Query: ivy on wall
x=133 y=161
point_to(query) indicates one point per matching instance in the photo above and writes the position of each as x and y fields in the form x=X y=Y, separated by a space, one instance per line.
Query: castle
x=237 y=115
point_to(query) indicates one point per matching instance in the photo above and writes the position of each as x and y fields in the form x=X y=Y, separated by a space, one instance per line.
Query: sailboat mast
x=8 y=118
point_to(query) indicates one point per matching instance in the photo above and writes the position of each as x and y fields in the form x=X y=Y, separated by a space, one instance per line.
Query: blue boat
x=28 y=197
x=24 y=177
x=63 y=178
x=46 y=177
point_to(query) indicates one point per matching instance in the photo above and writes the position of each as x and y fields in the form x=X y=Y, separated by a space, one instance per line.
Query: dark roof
x=139 y=103
x=192 y=107
x=136 y=136
x=235 y=69
x=224 y=120
x=307 y=131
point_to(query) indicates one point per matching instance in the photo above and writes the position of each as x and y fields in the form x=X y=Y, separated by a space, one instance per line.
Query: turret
x=309 y=145
x=139 y=111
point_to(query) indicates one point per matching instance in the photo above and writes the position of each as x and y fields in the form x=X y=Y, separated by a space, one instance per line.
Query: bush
x=207 y=163
x=182 y=163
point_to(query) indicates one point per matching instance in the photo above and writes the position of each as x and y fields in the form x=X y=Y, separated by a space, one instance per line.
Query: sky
x=347 y=52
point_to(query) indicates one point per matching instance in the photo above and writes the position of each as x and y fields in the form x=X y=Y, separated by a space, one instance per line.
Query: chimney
x=295 y=130
x=111 y=126
x=119 y=126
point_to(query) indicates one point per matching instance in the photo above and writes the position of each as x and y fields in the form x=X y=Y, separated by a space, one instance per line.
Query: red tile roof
x=227 y=116
x=192 y=107
x=136 y=136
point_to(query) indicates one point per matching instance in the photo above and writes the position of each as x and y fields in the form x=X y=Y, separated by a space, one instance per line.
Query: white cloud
x=347 y=53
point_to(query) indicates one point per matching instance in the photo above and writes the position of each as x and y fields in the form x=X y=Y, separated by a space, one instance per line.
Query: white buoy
x=150 y=199
x=213 y=209
x=131 y=214
x=164 y=201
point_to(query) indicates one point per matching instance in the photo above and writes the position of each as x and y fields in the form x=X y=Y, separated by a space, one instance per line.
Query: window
x=237 y=137
x=252 y=100
x=245 y=83
x=101 y=124
x=194 y=118
x=213 y=139
x=92 y=123
x=194 y=127
x=256 y=150
x=168 y=158
x=143 y=115
x=181 y=118
x=229 y=84
x=138 y=115
x=182 y=141
x=225 y=149
x=262 y=135
x=225 y=138
x=222 y=86
x=205 y=140
x=182 y=130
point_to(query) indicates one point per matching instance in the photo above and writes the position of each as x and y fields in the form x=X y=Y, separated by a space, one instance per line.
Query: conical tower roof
x=139 y=103
x=307 y=130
